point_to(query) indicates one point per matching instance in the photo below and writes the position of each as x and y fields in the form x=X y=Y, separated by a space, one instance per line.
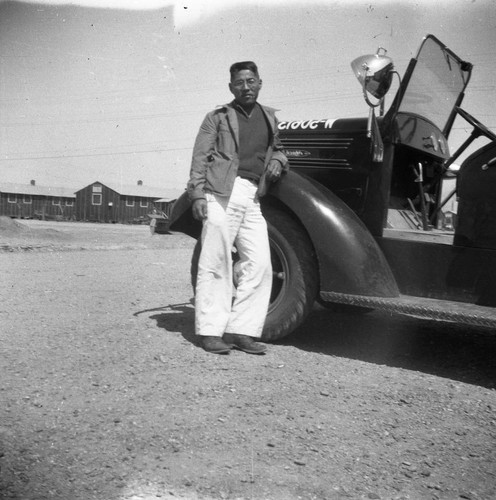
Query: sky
x=115 y=90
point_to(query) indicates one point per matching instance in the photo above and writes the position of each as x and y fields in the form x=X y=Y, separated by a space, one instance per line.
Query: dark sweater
x=253 y=142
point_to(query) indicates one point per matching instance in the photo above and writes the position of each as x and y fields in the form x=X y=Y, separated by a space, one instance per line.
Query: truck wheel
x=194 y=264
x=295 y=275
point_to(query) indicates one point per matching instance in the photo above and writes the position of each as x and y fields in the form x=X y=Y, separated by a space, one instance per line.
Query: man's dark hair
x=239 y=66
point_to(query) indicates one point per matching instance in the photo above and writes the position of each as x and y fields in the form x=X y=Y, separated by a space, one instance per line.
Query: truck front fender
x=350 y=260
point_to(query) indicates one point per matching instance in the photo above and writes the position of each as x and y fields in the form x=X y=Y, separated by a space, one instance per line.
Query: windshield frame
x=417 y=94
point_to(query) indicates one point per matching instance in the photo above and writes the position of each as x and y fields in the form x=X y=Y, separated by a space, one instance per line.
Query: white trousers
x=236 y=220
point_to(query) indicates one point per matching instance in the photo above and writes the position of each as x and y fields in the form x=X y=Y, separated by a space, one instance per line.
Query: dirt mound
x=16 y=236
x=12 y=227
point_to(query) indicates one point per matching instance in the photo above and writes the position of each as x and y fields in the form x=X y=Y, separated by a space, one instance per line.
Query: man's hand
x=199 y=209
x=274 y=170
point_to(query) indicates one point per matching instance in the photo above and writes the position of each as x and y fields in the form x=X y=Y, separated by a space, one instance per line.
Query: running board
x=435 y=309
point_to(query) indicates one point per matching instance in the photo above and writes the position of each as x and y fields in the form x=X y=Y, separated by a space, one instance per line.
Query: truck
x=359 y=223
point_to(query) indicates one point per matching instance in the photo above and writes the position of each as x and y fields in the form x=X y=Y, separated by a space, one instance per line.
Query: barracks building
x=97 y=202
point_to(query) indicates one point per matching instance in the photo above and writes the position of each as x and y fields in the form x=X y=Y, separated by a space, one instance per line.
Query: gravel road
x=106 y=395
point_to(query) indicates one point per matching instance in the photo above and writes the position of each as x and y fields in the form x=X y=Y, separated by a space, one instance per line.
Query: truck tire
x=296 y=278
x=295 y=282
x=194 y=264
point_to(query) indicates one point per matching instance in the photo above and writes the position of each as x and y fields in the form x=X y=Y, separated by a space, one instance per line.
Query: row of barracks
x=97 y=202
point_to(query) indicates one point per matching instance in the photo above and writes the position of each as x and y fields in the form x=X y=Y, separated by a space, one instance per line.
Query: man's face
x=245 y=86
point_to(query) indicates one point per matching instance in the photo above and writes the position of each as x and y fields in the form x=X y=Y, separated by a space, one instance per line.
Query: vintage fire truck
x=329 y=217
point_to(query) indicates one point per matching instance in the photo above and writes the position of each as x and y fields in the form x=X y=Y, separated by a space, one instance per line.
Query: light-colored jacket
x=215 y=154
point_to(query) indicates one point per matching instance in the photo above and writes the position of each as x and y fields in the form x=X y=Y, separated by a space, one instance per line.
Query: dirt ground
x=105 y=394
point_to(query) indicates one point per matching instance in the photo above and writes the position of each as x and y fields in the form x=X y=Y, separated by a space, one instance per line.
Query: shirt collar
x=240 y=108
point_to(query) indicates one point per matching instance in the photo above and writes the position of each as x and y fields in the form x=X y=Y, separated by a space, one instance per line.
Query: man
x=236 y=152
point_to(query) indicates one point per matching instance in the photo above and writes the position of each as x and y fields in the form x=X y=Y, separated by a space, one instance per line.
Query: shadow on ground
x=175 y=318
x=449 y=350
x=453 y=351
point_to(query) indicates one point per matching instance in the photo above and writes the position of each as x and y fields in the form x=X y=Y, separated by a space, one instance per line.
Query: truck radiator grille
x=319 y=152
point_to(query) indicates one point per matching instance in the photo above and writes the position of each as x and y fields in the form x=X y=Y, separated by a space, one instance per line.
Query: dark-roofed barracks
x=97 y=202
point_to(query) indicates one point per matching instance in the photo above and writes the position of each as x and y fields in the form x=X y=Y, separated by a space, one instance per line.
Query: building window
x=96 y=199
x=96 y=188
x=27 y=199
x=143 y=203
x=69 y=202
x=129 y=201
x=12 y=198
x=56 y=201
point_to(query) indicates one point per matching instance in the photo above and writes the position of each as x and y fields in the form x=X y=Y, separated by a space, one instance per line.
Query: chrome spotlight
x=375 y=73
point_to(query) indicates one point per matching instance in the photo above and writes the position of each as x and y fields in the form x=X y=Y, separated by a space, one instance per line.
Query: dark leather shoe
x=214 y=344
x=244 y=343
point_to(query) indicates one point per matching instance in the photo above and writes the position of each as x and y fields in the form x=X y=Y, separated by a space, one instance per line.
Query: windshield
x=438 y=79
